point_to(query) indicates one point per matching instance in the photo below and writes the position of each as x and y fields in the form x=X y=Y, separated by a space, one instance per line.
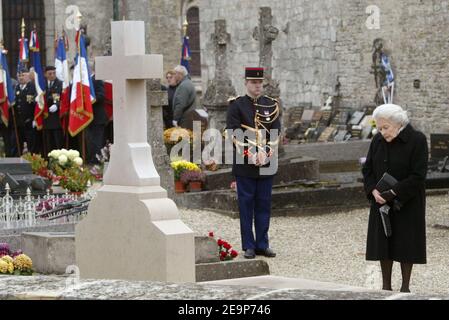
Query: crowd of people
x=21 y=134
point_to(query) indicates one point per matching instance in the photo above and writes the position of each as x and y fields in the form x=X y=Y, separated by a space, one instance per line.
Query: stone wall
x=162 y=19
x=324 y=44
x=415 y=33
x=97 y=17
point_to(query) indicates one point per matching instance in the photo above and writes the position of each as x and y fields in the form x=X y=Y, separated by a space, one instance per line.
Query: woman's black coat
x=405 y=158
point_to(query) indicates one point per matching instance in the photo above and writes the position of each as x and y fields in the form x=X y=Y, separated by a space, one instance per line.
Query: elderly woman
x=401 y=151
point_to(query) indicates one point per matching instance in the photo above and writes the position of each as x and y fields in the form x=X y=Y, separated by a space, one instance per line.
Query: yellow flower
x=3 y=266
x=7 y=259
x=23 y=262
x=175 y=135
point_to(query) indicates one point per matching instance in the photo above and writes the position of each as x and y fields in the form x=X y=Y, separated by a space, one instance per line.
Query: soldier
x=52 y=124
x=96 y=129
x=257 y=116
x=22 y=119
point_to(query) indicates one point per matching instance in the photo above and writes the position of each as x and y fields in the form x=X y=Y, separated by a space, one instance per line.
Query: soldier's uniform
x=255 y=117
x=24 y=106
x=52 y=124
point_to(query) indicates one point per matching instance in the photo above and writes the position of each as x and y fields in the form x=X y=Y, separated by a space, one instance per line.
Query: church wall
x=325 y=43
x=97 y=17
x=415 y=34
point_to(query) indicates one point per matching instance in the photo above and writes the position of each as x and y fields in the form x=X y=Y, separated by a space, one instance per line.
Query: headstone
x=327 y=135
x=340 y=136
x=439 y=146
x=316 y=119
x=341 y=117
x=356 y=118
x=193 y=116
x=307 y=116
x=133 y=230
x=266 y=33
x=356 y=132
x=156 y=99
x=18 y=173
x=295 y=115
x=326 y=117
x=220 y=89
x=369 y=109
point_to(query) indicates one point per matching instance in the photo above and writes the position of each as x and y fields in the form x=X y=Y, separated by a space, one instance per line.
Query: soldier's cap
x=22 y=69
x=49 y=68
x=254 y=73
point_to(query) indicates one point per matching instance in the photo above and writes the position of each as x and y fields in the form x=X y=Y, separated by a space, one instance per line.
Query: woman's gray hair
x=392 y=113
x=182 y=70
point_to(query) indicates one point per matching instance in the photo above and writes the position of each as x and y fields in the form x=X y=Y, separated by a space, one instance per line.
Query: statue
x=383 y=74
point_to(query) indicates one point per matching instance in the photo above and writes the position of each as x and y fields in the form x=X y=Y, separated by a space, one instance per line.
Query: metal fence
x=30 y=211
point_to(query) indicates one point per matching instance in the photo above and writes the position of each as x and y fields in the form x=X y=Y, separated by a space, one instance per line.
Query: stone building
x=322 y=47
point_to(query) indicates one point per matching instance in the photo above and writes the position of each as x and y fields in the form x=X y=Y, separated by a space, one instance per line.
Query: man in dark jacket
x=23 y=116
x=52 y=124
x=171 y=89
x=96 y=129
x=255 y=160
x=184 y=100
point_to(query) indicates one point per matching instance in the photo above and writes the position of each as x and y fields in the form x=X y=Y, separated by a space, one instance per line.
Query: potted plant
x=194 y=179
x=67 y=167
x=175 y=135
x=179 y=167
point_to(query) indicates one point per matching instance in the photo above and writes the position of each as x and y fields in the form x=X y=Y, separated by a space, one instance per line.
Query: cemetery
x=157 y=213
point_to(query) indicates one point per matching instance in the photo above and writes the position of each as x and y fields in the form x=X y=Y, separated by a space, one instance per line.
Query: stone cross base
x=134 y=233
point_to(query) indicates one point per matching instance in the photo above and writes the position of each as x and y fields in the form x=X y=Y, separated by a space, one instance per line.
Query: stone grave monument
x=133 y=230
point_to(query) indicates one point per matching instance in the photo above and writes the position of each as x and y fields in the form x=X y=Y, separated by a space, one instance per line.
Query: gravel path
x=331 y=247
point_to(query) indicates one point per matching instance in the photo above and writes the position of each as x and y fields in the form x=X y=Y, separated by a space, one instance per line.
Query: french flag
x=40 y=111
x=62 y=72
x=7 y=96
x=24 y=54
x=186 y=55
x=83 y=95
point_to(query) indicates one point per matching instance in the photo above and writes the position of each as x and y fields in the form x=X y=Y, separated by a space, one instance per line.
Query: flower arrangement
x=75 y=179
x=174 y=135
x=64 y=159
x=180 y=166
x=67 y=166
x=38 y=164
x=225 y=251
x=192 y=176
x=16 y=263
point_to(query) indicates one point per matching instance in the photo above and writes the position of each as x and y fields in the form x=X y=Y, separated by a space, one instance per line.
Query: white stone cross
x=131 y=162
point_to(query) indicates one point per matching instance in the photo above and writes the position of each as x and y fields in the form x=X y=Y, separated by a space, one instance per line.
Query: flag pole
x=83 y=136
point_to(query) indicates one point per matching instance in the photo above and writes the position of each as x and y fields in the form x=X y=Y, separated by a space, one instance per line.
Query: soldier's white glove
x=175 y=123
x=53 y=108
x=261 y=158
x=34 y=124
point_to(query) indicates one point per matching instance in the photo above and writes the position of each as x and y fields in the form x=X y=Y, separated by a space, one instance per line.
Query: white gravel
x=331 y=247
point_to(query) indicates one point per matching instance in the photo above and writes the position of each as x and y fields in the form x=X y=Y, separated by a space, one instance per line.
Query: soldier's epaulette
x=232 y=99
x=271 y=98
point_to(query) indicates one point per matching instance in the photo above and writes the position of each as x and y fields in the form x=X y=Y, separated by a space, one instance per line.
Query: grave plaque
x=326 y=118
x=341 y=117
x=341 y=135
x=307 y=116
x=356 y=132
x=439 y=146
x=356 y=118
x=327 y=135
